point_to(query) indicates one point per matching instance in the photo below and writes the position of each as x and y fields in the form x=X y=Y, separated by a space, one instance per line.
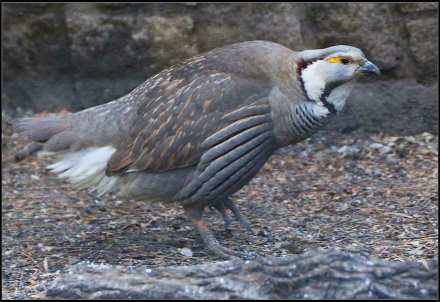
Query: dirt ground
x=358 y=192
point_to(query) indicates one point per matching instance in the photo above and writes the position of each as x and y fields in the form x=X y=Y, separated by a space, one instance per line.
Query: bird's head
x=326 y=75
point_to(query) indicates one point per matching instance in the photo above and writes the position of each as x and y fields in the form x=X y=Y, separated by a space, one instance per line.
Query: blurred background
x=76 y=55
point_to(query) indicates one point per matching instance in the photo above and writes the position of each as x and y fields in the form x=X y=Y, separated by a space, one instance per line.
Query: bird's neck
x=303 y=119
x=295 y=120
x=306 y=117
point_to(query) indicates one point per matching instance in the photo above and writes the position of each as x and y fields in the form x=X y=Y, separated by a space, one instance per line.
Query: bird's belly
x=153 y=186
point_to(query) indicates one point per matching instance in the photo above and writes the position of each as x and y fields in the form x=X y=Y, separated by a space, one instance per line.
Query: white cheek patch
x=314 y=84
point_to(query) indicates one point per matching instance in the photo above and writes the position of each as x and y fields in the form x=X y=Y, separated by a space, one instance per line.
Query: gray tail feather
x=39 y=129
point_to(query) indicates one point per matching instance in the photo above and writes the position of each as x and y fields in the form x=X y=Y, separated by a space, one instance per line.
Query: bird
x=198 y=131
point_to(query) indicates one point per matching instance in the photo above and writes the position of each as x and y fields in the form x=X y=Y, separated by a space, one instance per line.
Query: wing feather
x=185 y=108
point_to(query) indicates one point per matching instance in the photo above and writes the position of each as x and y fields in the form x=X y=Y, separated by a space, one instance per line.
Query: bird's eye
x=339 y=59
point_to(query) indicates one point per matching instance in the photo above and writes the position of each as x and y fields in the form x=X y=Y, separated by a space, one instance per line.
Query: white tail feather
x=86 y=168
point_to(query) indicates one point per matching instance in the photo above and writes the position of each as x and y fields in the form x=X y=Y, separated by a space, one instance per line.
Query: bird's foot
x=219 y=207
x=223 y=205
x=211 y=242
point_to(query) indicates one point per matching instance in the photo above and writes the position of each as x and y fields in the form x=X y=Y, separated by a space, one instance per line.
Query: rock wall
x=76 y=55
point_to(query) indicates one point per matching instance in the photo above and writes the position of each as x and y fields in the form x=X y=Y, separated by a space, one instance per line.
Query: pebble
x=377 y=173
x=376 y=146
x=383 y=149
x=348 y=151
x=186 y=252
x=357 y=202
x=391 y=159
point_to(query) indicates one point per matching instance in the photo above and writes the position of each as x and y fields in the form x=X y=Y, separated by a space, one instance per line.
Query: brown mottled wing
x=185 y=106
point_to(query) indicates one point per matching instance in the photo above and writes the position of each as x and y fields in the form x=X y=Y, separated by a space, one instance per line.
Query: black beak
x=369 y=67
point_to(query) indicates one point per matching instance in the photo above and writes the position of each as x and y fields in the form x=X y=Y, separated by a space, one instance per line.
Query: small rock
x=356 y=202
x=348 y=151
x=40 y=288
x=410 y=139
x=434 y=147
x=186 y=252
x=376 y=146
x=383 y=149
x=377 y=173
x=391 y=159
x=304 y=154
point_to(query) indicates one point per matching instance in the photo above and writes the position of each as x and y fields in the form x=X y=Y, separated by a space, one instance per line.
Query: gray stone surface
x=369 y=26
x=412 y=7
x=395 y=106
x=423 y=45
x=76 y=55
x=222 y=24
x=36 y=65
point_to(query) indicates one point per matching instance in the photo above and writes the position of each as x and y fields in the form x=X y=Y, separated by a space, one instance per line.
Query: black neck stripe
x=302 y=64
x=326 y=103
x=327 y=90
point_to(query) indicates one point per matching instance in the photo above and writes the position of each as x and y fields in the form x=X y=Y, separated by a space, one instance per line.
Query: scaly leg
x=195 y=213
x=241 y=219
x=224 y=204
x=220 y=207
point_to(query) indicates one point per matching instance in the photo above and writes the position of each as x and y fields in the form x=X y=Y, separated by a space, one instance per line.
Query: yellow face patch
x=339 y=60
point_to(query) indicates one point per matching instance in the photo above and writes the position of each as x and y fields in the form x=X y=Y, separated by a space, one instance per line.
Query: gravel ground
x=356 y=191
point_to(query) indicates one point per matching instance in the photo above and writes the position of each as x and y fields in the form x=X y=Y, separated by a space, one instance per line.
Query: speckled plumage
x=198 y=131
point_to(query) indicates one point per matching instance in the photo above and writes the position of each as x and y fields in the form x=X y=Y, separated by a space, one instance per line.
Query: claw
x=221 y=209
x=210 y=241
x=242 y=220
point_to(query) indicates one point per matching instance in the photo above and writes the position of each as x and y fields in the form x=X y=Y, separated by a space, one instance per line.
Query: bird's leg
x=195 y=214
x=219 y=206
x=242 y=220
